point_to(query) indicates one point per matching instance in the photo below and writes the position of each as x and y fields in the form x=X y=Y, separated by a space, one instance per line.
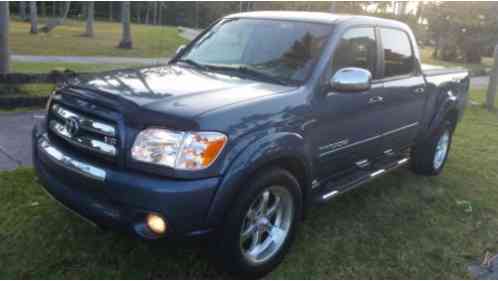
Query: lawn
x=479 y=96
x=401 y=226
x=44 y=89
x=46 y=67
x=66 y=40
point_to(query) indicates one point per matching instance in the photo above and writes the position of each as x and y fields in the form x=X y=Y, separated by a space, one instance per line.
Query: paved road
x=480 y=82
x=90 y=60
x=189 y=33
x=15 y=139
x=15 y=129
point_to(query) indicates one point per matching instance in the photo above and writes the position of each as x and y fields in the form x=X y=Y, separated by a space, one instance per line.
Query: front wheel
x=429 y=157
x=261 y=225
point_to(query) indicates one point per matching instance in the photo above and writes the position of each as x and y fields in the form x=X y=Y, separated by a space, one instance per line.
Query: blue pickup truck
x=261 y=116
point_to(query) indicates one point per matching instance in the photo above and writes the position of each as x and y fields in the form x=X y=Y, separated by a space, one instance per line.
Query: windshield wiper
x=246 y=71
x=193 y=63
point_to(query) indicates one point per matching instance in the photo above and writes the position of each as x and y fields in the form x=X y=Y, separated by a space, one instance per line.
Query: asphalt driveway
x=15 y=138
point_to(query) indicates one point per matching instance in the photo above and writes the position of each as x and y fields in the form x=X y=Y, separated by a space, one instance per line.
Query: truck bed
x=435 y=70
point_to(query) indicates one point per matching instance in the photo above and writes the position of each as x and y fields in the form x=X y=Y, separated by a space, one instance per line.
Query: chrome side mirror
x=351 y=79
x=180 y=49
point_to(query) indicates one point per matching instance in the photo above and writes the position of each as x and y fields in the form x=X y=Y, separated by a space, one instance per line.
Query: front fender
x=264 y=148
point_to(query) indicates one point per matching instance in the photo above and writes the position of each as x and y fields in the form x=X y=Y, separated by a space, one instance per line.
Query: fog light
x=156 y=224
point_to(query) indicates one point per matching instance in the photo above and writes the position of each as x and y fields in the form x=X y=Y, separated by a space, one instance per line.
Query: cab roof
x=318 y=17
x=292 y=15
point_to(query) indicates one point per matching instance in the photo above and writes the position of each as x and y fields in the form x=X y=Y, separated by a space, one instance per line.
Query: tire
x=234 y=249
x=425 y=157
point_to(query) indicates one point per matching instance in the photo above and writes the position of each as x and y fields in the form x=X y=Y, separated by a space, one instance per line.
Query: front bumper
x=120 y=199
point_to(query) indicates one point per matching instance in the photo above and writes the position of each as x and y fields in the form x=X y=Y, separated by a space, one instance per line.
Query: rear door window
x=398 y=54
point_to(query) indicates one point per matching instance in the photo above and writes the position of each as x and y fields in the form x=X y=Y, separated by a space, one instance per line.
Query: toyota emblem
x=72 y=126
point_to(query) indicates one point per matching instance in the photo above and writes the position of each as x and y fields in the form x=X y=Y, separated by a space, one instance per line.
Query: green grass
x=43 y=89
x=65 y=40
x=40 y=90
x=479 y=96
x=426 y=57
x=401 y=226
x=46 y=67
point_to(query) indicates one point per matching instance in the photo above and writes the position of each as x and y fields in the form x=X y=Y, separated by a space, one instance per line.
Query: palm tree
x=56 y=22
x=33 y=17
x=332 y=7
x=110 y=12
x=126 y=42
x=22 y=11
x=4 y=38
x=90 y=19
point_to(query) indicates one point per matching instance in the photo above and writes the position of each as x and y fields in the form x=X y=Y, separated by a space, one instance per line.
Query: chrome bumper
x=68 y=162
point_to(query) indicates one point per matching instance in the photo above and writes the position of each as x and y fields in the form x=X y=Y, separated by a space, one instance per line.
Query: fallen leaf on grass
x=467 y=206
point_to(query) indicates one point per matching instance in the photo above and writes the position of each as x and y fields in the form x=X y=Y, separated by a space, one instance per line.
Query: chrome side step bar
x=361 y=180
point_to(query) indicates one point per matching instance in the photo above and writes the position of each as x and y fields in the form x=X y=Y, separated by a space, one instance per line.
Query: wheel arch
x=446 y=110
x=286 y=151
x=452 y=116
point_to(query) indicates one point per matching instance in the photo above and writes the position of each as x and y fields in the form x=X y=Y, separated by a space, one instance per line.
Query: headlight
x=179 y=150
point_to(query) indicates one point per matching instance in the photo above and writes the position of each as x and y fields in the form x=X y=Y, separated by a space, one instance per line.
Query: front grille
x=86 y=133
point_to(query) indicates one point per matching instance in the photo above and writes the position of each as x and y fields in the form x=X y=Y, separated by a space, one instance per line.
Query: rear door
x=403 y=89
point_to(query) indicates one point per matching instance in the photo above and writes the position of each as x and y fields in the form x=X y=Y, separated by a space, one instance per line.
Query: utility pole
x=491 y=93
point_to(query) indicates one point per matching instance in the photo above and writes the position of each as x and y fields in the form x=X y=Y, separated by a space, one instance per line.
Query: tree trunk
x=160 y=14
x=126 y=42
x=155 y=10
x=33 y=17
x=90 y=19
x=147 y=15
x=22 y=10
x=43 y=8
x=332 y=7
x=420 y=12
x=196 y=14
x=4 y=38
x=402 y=8
x=54 y=23
x=491 y=94
x=110 y=11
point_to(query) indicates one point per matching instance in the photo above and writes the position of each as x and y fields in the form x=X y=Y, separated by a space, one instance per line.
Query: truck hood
x=177 y=90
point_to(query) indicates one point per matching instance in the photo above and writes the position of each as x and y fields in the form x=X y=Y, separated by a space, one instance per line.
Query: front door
x=348 y=125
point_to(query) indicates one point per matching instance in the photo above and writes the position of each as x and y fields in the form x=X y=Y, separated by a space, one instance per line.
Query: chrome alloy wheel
x=441 y=150
x=267 y=224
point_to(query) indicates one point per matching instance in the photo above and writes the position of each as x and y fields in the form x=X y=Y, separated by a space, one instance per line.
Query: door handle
x=377 y=99
x=420 y=90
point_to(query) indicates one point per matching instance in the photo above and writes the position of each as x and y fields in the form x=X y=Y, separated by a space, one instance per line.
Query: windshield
x=285 y=50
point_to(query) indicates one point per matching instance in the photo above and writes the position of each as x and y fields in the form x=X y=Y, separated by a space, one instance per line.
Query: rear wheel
x=429 y=157
x=261 y=225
